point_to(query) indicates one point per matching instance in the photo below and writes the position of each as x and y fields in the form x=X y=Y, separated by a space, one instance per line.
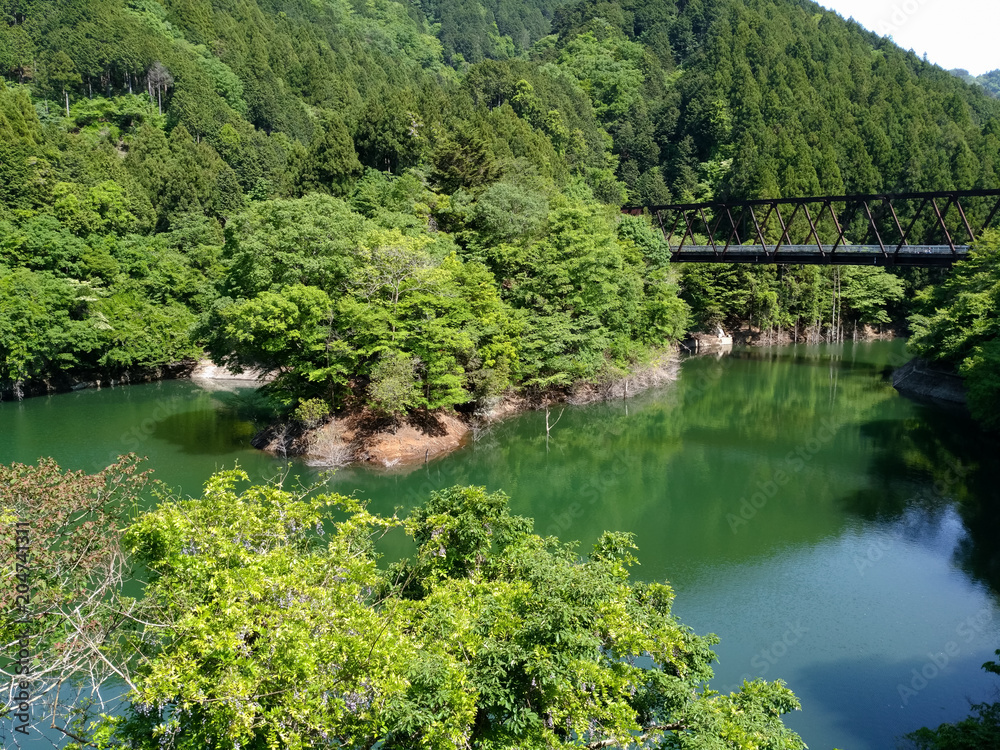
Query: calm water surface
x=833 y=534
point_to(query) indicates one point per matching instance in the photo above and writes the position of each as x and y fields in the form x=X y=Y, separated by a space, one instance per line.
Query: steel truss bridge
x=905 y=229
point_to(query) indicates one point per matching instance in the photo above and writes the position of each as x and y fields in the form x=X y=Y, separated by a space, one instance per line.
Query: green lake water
x=833 y=534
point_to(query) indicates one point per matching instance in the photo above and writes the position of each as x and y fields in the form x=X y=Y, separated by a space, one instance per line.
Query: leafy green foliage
x=305 y=241
x=330 y=164
x=394 y=388
x=403 y=318
x=868 y=292
x=506 y=212
x=275 y=625
x=311 y=412
x=982 y=376
x=980 y=730
x=279 y=331
x=44 y=325
x=789 y=297
x=958 y=326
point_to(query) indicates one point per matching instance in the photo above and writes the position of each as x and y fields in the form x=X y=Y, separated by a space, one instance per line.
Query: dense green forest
x=416 y=205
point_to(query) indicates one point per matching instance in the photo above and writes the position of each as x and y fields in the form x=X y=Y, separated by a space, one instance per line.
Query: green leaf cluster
x=387 y=312
x=981 y=729
x=270 y=623
x=957 y=326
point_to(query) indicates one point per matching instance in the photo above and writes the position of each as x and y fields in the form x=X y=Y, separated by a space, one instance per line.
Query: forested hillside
x=989 y=81
x=418 y=203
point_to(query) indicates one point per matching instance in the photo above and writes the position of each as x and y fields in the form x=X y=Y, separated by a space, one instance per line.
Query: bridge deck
x=854 y=255
x=927 y=228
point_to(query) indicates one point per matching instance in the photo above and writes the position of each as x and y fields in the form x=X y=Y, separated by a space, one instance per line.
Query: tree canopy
x=179 y=162
x=957 y=325
x=266 y=618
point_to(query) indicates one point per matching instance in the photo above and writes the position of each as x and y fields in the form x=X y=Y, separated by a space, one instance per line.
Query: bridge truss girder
x=858 y=229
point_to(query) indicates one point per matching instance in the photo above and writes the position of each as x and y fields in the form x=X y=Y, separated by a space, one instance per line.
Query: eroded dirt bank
x=368 y=438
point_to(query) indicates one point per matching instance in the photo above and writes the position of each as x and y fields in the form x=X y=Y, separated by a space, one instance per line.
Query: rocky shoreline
x=745 y=335
x=922 y=381
x=372 y=439
x=375 y=440
x=97 y=379
x=748 y=336
x=203 y=370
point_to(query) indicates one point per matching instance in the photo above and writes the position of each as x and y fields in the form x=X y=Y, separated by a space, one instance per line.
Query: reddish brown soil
x=366 y=437
x=420 y=438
